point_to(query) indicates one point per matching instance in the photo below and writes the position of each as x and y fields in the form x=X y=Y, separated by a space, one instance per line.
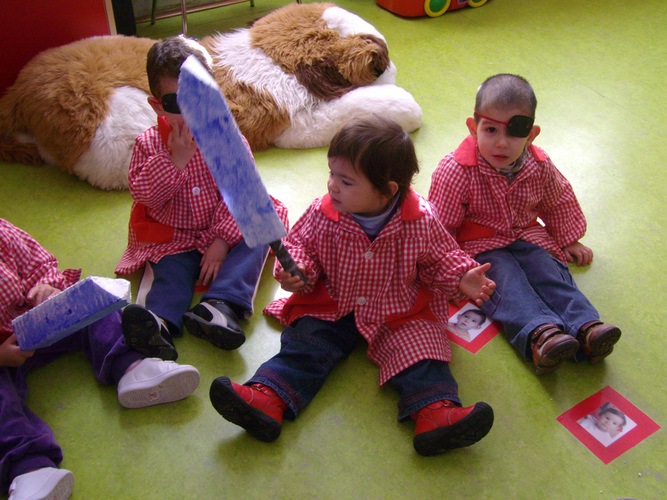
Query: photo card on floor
x=469 y=327
x=608 y=424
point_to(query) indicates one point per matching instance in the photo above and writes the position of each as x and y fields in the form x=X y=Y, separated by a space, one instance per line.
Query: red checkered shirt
x=24 y=263
x=186 y=202
x=387 y=283
x=468 y=195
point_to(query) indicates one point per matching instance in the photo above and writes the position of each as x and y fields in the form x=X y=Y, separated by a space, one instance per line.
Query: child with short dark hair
x=489 y=193
x=181 y=230
x=29 y=453
x=373 y=256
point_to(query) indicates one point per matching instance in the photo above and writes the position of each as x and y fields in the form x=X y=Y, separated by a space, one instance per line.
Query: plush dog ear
x=355 y=61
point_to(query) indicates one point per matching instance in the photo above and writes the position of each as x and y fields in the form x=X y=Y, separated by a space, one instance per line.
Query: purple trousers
x=26 y=442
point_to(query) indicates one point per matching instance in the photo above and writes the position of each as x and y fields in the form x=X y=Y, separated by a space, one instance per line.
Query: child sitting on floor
x=29 y=453
x=181 y=230
x=373 y=256
x=490 y=193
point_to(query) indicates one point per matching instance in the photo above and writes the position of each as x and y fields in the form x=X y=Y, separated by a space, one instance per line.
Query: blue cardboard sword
x=206 y=112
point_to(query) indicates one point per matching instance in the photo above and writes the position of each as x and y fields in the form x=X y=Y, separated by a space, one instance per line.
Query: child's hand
x=581 y=253
x=11 y=354
x=182 y=145
x=212 y=259
x=476 y=286
x=291 y=283
x=39 y=293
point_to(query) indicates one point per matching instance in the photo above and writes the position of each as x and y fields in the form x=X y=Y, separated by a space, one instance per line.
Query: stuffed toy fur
x=291 y=80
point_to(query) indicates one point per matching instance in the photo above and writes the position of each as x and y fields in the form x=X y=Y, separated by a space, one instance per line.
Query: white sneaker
x=42 y=484
x=154 y=381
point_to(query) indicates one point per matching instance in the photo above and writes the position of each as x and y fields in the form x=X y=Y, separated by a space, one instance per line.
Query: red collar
x=466 y=153
x=410 y=208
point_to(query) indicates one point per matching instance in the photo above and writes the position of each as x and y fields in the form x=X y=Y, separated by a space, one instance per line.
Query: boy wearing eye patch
x=181 y=231
x=490 y=193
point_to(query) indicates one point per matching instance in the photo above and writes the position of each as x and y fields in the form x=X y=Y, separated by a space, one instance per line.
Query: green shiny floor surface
x=598 y=69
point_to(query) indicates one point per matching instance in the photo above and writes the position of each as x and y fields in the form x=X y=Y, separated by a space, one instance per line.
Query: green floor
x=598 y=69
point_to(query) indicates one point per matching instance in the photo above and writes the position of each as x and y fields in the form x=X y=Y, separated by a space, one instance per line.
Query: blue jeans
x=310 y=349
x=532 y=289
x=167 y=287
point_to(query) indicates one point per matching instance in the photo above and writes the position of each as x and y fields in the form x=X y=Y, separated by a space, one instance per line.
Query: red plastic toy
x=432 y=8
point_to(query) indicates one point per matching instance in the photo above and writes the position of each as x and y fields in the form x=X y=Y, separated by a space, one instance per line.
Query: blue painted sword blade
x=219 y=139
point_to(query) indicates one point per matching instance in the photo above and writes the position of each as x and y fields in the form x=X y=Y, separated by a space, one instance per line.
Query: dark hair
x=613 y=411
x=166 y=57
x=506 y=90
x=381 y=150
x=481 y=314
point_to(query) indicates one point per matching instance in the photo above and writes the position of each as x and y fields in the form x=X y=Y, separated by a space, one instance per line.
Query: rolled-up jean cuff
x=291 y=398
x=416 y=401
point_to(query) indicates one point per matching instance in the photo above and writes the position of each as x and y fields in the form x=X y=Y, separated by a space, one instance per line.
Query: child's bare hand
x=212 y=260
x=291 y=283
x=476 y=286
x=11 y=354
x=579 y=253
x=182 y=145
x=39 y=293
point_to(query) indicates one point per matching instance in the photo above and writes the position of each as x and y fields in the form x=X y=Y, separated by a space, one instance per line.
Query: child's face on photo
x=351 y=191
x=499 y=148
x=609 y=422
x=468 y=321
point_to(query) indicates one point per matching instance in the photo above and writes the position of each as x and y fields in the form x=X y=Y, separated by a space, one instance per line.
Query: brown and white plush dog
x=291 y=80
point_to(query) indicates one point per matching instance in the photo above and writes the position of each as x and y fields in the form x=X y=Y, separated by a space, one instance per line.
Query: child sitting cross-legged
x=373 y=256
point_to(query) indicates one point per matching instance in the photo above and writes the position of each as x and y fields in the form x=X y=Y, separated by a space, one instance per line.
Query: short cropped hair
x=508 y=91
x=381 y=150
x=166 y=57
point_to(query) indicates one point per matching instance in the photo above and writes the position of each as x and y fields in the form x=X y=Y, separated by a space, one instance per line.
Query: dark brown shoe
x=598 y=339
x=551 y=347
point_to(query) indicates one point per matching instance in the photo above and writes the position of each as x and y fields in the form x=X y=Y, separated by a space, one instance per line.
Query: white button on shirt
x=368 y=255
x=196 y=191
x=361 y=301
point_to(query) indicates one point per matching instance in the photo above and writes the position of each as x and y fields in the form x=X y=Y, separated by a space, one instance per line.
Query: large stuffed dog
x=291 y=80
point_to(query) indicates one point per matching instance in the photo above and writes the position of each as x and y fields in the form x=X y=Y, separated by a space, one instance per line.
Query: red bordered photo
x=608 y=424
x=469 y=327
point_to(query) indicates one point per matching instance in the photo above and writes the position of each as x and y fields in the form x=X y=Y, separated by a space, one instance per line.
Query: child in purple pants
x=29 y=453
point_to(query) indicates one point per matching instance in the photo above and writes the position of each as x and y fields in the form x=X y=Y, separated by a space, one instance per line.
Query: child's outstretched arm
x=476 y=286
x=578 y=252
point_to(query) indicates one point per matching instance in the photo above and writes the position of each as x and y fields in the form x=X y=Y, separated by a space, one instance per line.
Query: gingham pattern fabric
x=187 y=200
x=465 y=187
x=381 y=280
x=24 y=263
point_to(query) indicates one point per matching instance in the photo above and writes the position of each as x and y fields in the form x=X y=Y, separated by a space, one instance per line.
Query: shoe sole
x=171 y=386
x=139 y=332
x=223 y=338
x=603 y=346
x=234 y=409
x=556 y=356
x=465 y=432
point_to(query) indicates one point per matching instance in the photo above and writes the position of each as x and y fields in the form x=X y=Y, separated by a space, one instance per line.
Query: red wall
x=30 y=26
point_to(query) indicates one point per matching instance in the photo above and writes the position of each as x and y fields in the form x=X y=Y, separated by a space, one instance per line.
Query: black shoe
x=147 y=333
x=216 y=322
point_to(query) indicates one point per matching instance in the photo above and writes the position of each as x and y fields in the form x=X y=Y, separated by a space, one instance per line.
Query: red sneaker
x=443 y=426
x=258 y=408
